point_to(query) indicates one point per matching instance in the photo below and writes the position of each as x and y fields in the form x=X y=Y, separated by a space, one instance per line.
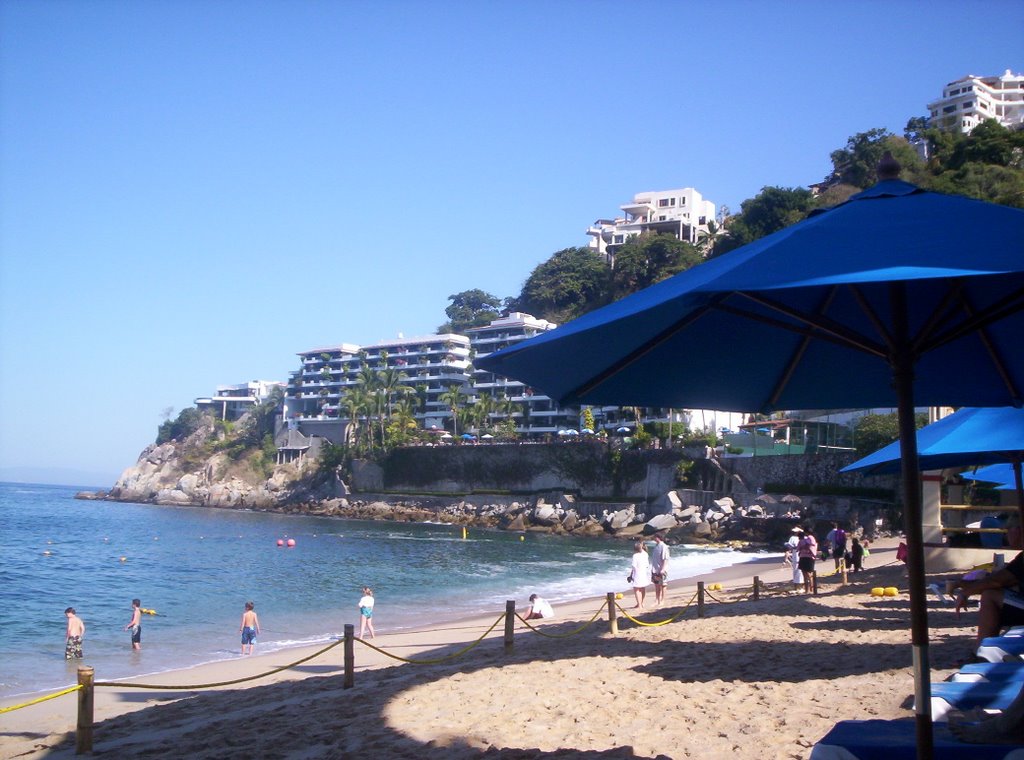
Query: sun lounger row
x=992 y=685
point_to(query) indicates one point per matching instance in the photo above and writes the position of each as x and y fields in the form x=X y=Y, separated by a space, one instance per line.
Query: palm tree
x=482 y=410
x=706 y=240
x=452 y=398
x=357 y=402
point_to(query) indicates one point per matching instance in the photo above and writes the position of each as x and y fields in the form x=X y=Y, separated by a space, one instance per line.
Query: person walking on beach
x=836 y=539
x=249 y=627
x=135 y=624
x=640 y=573
x=73 y=635
x=807 y=550
x=793 y=554
x=366 y=613
x=659 y=568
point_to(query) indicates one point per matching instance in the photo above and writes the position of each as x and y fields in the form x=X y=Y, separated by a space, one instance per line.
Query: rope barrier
x=659 y=623
x=435 y=660
x=37 y=700
x=195 y=687
x=563 y=635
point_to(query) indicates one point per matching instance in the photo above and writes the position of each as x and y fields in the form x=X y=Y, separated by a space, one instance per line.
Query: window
x=665 y=202
x=617 y=239
x=662 y=218
x=702 y=220
x=967 y=104
x=948 y=109
x=682 y=201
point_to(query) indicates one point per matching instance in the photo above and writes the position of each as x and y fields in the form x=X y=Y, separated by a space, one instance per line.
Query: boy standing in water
x=74 y=634
x=366 y=613
x=249 y=627
x=135 y=625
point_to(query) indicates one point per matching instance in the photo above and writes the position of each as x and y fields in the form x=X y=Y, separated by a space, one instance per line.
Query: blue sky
x=192 y=192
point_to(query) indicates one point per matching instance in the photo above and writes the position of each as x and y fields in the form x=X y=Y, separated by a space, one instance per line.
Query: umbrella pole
x=1017 y=481
x=903 y=380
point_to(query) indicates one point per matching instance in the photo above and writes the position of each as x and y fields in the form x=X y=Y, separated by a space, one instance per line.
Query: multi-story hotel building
x=968 y=101
x=313 y=400
x=682 y=213
x=232 y=401
x=536 y=414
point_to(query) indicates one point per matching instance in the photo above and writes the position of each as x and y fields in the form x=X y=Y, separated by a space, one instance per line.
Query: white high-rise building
x=682 y=213
x=968 y=101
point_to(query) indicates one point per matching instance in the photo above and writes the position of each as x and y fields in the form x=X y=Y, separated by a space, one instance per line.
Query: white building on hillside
x=968 y=101
x=232 y=401
x=535 y=414
x=429 y=365
x=682 y=213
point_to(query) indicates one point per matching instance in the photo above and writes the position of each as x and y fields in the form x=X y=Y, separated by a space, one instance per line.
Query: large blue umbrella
x=993 y=473
x=968 y=437
x=897 y=297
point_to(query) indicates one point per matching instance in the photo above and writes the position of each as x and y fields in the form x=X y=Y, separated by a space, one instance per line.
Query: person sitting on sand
x=640 y=573
x=540 y=609
x=1001 y=604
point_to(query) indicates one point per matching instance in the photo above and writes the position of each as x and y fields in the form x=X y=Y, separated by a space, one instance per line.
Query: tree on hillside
x=646 y=259
x=470 y=308
x=769 y=211
x=570 y=283
x=187 y=422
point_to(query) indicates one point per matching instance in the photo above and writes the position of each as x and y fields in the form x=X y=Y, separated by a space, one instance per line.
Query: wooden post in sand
x=350 y=657
x=83 y=732
x=842 y=566
x=510 y=623
x=757 y=588
x=613 y=619
x=700 y=599
x=814 y=581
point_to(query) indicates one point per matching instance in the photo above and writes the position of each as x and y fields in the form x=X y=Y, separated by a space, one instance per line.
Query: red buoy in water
x=291 y=542
x=280 y=542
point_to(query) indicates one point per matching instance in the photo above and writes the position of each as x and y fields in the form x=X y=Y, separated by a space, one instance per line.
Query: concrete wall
x=589 y=470
x=595 y=474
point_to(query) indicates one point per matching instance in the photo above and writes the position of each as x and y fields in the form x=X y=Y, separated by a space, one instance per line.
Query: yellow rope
x=194 y=687
x=36 y=701
x=435 y=660
x=662 y=622
x=563 y=635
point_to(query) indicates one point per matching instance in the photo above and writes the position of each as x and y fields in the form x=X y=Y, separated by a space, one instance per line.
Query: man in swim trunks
x=74 y=634
x=135 y=624
x=1001 y=604
x=249 y=627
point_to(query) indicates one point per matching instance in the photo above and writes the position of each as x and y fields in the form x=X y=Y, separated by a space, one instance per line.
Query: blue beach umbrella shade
x=1002 y=474
x=971 y=436
x=869 y=303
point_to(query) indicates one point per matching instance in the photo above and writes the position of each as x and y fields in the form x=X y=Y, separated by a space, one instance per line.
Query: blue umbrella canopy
x=968 y=437
x=873 y=302
x=993 y=473
x=819 y=308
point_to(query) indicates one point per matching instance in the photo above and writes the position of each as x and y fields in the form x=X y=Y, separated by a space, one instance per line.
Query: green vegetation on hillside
x=987 y=164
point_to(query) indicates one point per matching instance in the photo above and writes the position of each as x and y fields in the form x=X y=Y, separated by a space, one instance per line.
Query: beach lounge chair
x=989 y=695
x=990 y=671
x=999 y=648
x=896 y=740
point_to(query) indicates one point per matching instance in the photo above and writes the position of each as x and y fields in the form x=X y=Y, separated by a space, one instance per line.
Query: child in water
x=249 y=627
x=73 y=635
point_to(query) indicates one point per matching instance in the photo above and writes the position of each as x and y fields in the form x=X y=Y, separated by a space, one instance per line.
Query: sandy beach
x=752 y=679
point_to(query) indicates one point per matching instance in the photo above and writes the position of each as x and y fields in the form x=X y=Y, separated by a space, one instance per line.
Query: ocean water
x=197 y=567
